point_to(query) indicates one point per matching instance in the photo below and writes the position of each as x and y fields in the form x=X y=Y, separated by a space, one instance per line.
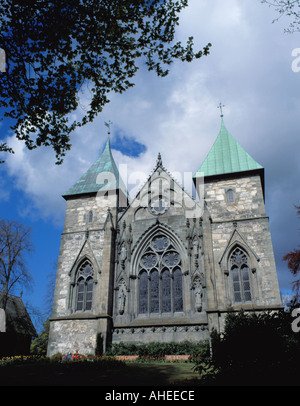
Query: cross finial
x=220 y=106
x=108 y=125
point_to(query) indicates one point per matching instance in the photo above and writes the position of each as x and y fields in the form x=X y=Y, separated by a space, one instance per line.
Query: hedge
x=157 y=349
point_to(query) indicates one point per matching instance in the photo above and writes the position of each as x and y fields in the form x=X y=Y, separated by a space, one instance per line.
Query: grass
x=76 y=374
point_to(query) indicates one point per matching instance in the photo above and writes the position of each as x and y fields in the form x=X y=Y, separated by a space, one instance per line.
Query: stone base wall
x=67 y=336
x=163 y=334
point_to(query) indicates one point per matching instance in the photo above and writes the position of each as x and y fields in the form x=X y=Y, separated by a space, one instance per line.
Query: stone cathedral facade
x=165 y=266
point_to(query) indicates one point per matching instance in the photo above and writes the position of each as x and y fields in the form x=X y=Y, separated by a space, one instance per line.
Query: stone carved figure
x=198 y=293
x=122 y=297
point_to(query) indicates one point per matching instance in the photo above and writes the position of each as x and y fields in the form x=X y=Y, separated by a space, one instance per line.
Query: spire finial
x=108 y=126
x=159 y=160
x=220 y=106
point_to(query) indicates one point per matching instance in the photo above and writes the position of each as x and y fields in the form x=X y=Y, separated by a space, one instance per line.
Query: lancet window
x=160 y=278
x=84 y=283
x=239 y=265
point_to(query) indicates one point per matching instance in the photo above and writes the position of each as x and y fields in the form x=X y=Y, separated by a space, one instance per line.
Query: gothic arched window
x=85 y=283
x=160 y=278
x=239 y=266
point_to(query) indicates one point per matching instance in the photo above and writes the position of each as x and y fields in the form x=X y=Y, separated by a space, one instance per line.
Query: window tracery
x=240 y=275
x=85 y=283
x=160 y=277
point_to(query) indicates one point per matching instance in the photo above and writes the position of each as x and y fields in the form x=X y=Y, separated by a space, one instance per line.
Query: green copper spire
x=226 y=156
x=108 y=180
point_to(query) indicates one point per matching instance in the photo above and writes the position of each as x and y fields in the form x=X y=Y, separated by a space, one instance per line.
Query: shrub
x=256 y=348
x=208 y=373
x=23 y=359
x=157 y=349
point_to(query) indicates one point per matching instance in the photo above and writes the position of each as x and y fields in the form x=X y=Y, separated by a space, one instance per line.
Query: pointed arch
x=78 y=263
x=82 y=286
x=158 y=264
x=237 y=238
x=239 y=269
x=157 y=229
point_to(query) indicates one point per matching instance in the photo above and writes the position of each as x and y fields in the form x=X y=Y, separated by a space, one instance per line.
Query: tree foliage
x=55 y=49
x=289 y=8
x=15 y=244
x=293 y=262
x=40 y=343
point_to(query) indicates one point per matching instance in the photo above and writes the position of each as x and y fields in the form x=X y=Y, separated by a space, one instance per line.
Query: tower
x=243 y=275
x=82 y=308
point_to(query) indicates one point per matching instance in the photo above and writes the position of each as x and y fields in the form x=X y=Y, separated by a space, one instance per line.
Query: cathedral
x=166 y=265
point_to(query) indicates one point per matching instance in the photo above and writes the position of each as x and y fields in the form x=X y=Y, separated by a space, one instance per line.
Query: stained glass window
x=178 y=302
x=240 y=276
x=80 y=294
x=160 y=277
x=143 y=297
x=154 y=292
x=89 y=294
x=149 y=260
x=166 y=291
x=171 y=259
x=160 y=243
x=85 y=285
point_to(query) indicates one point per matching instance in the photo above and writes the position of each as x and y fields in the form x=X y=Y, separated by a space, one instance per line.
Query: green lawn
x=137 y=374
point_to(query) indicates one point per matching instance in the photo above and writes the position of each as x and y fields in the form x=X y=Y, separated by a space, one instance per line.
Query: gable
x=236 y=239
x=161 y=195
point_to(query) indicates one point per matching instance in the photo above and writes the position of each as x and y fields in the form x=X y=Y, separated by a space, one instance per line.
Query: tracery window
x=160 y=278
x=85 y=283
x=239 y=265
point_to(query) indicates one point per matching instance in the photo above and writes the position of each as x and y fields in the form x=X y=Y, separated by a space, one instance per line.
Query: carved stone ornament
x=122 y=296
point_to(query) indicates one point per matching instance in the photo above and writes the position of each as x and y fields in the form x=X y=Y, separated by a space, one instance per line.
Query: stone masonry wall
x=72 y=335
x=75 y=244
x=83 y=238
x=241 y=222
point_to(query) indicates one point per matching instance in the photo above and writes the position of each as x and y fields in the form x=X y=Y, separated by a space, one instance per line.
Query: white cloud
x=249 y=70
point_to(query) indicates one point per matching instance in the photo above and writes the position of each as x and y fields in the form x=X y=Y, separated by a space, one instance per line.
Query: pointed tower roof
x=226 y=156
x=88 y=182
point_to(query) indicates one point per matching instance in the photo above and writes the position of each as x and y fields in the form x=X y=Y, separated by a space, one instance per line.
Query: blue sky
x=249 y=71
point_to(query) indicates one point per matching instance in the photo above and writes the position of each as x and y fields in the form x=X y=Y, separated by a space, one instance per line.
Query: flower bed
x=177 y=357
x=127 y=357
x=150 y=358
x=21 y=359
